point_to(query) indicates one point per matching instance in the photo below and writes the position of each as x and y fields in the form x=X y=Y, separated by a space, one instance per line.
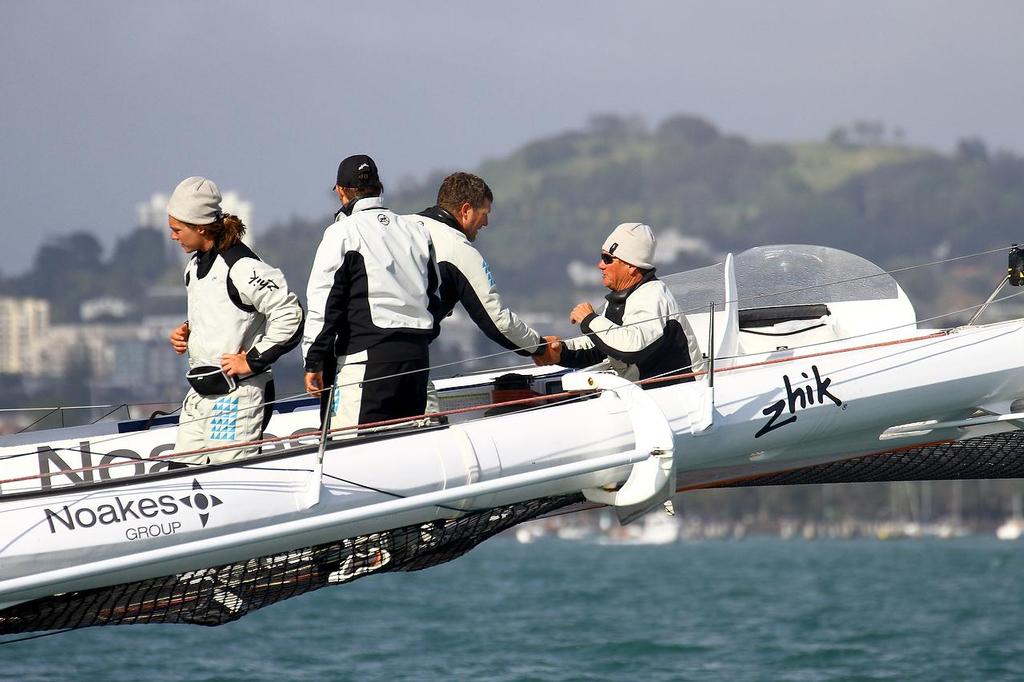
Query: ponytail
x=226 y=231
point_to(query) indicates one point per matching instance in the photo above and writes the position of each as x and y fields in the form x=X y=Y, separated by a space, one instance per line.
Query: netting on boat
x=221 y=594
x=999 y=455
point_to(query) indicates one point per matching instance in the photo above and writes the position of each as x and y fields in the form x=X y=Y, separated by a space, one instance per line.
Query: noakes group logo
x=123 y=510
x=201 y=501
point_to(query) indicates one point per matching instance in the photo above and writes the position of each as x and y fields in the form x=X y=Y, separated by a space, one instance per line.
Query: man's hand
x=552 y=352
x=580 y=312
x=179 y=338
x=314 y=383
x=235 y=364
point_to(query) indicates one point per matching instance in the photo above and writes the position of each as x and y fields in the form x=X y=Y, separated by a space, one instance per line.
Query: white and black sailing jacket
x=373 y=287
x=238 y=302
x=466 y=278
x=641 y=334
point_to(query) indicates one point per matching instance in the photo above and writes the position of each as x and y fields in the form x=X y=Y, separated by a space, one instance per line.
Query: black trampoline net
x=999 y=455
x=221 y=594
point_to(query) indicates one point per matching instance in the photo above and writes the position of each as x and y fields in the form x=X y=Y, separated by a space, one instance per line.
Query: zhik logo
x=201 y=501
x=262 y=283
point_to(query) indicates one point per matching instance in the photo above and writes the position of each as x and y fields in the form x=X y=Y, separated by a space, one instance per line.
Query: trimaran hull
x=67 y=525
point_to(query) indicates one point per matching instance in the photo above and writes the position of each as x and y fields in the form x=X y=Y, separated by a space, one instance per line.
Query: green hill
x=556 y=199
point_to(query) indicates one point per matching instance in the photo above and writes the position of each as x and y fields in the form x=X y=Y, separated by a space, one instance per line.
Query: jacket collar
x=360 y=205
x=442 y=216
x=204 y=261
x=619 y=297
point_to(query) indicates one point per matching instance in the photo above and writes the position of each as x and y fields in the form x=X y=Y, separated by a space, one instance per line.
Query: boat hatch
x=806 y=294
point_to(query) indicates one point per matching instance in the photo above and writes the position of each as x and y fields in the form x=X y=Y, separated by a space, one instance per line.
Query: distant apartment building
x=24 y=323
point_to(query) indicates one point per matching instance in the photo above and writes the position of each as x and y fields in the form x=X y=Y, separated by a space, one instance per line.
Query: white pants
x=219 y=420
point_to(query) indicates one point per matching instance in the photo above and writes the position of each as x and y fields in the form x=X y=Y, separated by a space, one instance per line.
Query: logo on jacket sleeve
x=490 y=277
x=261 y=283
x=383 y=219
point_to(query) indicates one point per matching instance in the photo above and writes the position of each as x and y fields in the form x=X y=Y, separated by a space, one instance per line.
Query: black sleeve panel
x=434 y=301
x=260 y=361
x=334 y=310
x=629 y=357
x=461 y=288
x=578 y=359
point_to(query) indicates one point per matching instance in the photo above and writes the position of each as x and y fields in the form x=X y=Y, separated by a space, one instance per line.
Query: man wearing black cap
x=371 y=295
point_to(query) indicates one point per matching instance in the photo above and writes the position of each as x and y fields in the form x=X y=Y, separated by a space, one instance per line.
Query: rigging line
x=748 y=298
x=672 y=374
x=663 y=375
x=36 y=636
x=99 y=419
x=399 y=496
x=775 y=293
x=536 y=346
x=38 y=420
x=82 y=407
x=505 y=352
x=58 y=407
x=651 y=380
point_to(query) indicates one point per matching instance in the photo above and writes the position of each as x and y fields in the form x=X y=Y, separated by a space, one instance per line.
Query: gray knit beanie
x=633 y=243
x=195 y=201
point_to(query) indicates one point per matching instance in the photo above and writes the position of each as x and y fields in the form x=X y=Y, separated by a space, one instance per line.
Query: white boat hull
x=68 y=526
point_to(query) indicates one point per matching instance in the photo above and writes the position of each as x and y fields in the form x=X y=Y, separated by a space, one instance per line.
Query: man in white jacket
x=463 y=207
x=372 y=296
x=640 y=334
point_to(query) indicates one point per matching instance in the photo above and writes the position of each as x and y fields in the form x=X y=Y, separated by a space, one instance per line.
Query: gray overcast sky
x=104 y=103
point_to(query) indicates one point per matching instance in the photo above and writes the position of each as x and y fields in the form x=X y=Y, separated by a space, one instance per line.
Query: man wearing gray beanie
x=241 y=318
x=640 y=334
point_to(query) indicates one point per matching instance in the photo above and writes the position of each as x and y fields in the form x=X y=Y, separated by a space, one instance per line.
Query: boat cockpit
x=776 y=298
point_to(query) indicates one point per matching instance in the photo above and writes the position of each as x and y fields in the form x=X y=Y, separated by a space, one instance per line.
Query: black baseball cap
x=358 y=172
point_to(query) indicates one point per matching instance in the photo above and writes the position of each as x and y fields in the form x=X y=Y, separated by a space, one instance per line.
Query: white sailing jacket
x=640 y=333
x=466 y=278
x=373 y=287
x=238 y=302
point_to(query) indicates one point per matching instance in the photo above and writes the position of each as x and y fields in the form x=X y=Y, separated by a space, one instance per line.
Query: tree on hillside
x=66 y=271
x=137 y=260
x=695 y=131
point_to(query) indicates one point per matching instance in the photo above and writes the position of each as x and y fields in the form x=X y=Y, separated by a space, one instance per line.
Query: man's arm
x=265 y=289
x=634 y=340
x=470 y=277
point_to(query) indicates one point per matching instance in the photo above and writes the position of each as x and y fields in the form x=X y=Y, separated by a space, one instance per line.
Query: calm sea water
x=759 y=609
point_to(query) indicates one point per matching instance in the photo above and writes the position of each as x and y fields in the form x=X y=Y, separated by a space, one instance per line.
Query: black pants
x=374 y=391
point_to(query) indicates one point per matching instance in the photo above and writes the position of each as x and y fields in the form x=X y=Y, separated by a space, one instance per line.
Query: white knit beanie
x=633 y=243
x=195 y=201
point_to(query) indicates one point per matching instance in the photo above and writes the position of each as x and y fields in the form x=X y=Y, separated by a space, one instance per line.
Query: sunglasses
x=608 y=258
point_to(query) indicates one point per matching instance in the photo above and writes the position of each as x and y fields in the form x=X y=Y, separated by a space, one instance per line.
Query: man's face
x=616 y=274
x=189 y=238
x=473 y=219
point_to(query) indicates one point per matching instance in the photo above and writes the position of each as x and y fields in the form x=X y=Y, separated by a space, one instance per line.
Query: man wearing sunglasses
x=640 y=334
